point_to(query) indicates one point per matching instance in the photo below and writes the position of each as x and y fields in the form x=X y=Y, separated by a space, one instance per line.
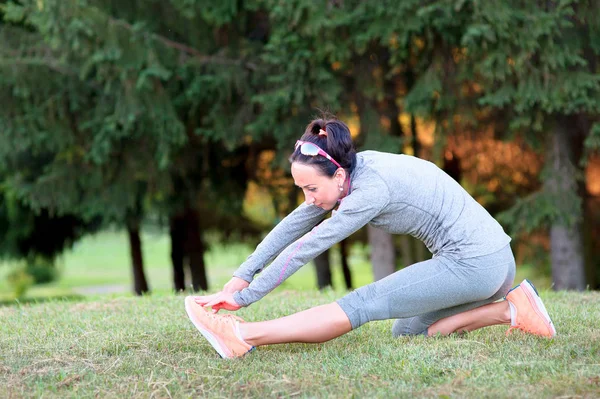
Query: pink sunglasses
x=312 y=150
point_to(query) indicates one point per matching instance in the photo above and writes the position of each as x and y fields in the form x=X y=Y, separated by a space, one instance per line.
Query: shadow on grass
x=62 y=298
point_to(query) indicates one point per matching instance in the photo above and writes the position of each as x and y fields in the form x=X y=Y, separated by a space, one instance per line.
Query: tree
x=168 y=107
x=26 y=234
x=111 y=96
x=537 y=61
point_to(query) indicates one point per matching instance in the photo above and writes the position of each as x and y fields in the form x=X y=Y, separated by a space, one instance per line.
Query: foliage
x=76 y=125
x=33 y=235
x=106 y=112
x=538 y=64
x=539 y=210
x=20 y=281
x=42 y=270
x=592 y=142
x=111 y=109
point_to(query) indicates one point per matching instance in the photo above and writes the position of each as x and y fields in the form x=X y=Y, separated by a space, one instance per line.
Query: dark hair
x=337 y=143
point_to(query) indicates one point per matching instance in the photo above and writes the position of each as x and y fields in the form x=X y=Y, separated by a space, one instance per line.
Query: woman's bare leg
x=318 y=324
x=323 y=323
x=487 y=315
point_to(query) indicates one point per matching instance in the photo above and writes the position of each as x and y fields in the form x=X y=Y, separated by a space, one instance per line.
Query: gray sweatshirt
x=400 y=194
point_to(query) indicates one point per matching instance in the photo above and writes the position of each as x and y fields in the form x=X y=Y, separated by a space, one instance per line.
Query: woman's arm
x=292 y=227
x=301 y=220
x=358 y=209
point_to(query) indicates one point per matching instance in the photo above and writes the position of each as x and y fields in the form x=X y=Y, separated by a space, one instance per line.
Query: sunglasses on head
x=312 y=150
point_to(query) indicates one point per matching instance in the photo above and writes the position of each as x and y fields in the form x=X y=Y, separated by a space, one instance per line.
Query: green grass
x=146 y=347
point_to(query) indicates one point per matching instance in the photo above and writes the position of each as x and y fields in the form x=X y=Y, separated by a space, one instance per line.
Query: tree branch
x=202 y=59
x=51 y=64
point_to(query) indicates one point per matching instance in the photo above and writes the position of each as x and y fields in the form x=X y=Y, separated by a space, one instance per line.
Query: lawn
x=124 y=346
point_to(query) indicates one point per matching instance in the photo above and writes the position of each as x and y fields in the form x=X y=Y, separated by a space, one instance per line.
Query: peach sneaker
x=528 y=312
x=221 y=331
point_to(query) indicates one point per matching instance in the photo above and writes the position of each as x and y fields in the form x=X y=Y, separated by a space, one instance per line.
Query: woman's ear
x=340 y=176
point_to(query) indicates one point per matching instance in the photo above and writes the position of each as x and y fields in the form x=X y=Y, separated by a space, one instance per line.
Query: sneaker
x=221 y=331
x=528 y=312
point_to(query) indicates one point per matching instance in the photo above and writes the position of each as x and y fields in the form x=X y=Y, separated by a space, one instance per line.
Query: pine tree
x=113 y=96
x=537 y=61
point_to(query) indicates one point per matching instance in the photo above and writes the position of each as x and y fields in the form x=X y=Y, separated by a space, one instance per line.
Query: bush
x=20 y=281
x=42 y=270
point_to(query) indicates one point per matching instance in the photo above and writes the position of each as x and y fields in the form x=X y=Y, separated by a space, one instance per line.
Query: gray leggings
x=421 y=294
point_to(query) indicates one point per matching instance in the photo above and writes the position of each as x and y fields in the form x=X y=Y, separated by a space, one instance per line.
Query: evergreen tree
x=109 y=91
x=537 y=61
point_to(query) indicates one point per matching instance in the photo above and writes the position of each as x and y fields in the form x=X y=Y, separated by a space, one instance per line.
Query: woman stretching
x=457 y=290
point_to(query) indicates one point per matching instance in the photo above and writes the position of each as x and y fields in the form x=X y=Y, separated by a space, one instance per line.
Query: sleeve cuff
x=244 y=276
x=238 y=299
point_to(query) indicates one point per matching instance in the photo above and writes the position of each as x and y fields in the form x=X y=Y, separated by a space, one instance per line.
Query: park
x=152 y=151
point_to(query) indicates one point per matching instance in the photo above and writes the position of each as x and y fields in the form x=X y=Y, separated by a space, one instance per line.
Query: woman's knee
x=506 y=285
x=409 y=326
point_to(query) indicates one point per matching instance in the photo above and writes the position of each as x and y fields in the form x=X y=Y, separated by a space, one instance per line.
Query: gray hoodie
x=400 y=194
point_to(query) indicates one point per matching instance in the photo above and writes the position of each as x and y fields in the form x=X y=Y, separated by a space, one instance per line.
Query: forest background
x=172 y=121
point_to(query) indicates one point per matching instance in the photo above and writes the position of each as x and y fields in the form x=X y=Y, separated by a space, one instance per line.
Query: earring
x=341 y=188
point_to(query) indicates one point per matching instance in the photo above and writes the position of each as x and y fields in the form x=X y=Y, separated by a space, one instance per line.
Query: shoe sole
x=538 y=305
x=214 y=341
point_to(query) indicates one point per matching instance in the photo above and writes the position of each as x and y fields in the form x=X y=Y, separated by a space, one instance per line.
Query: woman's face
x=319 y=190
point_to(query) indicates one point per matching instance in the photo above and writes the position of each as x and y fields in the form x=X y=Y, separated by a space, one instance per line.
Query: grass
x=123 y=346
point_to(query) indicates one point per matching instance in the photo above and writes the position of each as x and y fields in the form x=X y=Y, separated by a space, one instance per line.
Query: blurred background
x=144 y=144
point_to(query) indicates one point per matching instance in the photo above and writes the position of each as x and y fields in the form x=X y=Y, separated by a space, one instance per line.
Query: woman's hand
x=218 y=301
x=223 y=299
x=235 y=284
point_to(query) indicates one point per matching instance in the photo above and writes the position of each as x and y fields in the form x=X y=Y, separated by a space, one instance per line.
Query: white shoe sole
x=538 y=304
x=189 y=302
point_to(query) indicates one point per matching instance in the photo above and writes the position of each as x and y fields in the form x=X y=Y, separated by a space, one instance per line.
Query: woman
x=456 y=291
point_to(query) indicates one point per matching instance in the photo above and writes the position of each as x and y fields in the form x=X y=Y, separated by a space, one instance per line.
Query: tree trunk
x=406 y=251
x=323 y=268
x=371 y=112
x=566 y=241
x=591 y=252
x=177 y=233
x=195 y=249
x=140 y=285
x=409 y=77
x=345 y=265
x=383 y=257
x=414 y=137
x=567 y=260
x=389 y=108
x=421 y=251
x=412 y=250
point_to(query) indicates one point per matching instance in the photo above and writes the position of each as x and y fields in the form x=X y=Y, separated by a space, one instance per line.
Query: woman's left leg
x=461 y=318
x=483 y=316
x=422 y=294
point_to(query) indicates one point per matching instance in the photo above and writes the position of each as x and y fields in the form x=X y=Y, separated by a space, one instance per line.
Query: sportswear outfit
x=472 y=263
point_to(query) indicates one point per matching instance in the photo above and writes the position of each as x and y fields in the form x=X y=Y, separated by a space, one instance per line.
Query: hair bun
x=333 y=137
x=317 y=128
